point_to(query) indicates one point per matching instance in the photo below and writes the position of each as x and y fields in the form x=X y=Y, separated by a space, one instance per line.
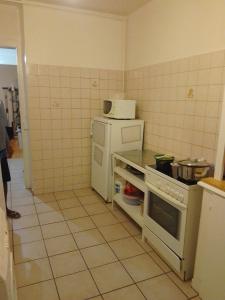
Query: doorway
x=10 y=104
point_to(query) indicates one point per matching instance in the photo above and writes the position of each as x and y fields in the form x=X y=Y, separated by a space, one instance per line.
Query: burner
x=188 y=182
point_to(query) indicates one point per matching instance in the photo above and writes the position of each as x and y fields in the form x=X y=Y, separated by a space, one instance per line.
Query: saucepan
x=191 y=170
x=163 y=163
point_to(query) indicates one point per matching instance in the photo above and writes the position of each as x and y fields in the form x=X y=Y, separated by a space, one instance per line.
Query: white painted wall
x=164 y=30
x=70 y=38
x=9 y=29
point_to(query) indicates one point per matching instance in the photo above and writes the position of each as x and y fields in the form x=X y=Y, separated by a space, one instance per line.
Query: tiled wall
x=61 y=103
x=180 y=102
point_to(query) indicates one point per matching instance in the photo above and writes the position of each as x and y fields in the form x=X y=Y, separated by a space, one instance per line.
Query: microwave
x=119 y=109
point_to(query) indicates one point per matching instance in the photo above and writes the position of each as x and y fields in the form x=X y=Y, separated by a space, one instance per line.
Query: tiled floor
x=73 y=246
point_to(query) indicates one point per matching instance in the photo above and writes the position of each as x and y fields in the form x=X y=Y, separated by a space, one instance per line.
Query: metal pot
x=163 y=163
x=191 y=170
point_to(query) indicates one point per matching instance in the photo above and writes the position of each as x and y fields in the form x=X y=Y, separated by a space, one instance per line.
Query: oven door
x=166 y=218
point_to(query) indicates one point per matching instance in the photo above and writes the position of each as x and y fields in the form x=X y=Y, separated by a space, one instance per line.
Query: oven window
x=165 y=215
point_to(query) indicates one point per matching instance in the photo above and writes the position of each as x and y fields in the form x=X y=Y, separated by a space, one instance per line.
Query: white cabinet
x=209 y=273
x=7 y=279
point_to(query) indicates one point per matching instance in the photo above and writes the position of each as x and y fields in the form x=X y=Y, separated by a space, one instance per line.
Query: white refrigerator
x=108 y=136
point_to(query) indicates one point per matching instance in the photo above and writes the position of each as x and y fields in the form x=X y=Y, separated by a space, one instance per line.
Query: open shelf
x=133 y=179
x=132 y=210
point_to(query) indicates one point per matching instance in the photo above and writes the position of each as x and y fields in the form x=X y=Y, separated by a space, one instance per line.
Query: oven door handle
x=166 y=197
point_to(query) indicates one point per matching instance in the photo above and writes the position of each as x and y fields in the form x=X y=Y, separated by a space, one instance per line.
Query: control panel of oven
x=167 y=187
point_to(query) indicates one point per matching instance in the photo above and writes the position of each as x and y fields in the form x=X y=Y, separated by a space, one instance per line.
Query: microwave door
x=100 y=157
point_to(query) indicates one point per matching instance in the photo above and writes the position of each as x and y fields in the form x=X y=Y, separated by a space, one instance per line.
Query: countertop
x=140 y=158
x=214 y=185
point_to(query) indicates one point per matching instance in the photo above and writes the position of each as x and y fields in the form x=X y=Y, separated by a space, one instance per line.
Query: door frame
x=18 y=44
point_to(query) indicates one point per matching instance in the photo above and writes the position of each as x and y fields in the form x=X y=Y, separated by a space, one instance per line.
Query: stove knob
x=181 y=197
x=170 y=191
x=177 y=196
x=173 y=193
x=167 y=188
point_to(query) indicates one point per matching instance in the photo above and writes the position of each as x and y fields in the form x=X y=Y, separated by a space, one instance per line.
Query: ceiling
x=117 y=7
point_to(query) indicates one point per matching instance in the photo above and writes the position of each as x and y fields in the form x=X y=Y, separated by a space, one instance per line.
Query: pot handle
x=203 y=174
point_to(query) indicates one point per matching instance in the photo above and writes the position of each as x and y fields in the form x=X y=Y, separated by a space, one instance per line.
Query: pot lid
x=194 y=163
x=163 y=157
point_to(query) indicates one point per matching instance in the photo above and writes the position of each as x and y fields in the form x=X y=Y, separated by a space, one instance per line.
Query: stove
x=171 y=219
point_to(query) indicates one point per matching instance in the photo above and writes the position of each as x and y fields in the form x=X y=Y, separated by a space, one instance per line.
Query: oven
x=165 y=216
x=171 y=218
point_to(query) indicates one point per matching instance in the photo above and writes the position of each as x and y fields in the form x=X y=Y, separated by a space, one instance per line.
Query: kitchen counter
x=214 y=185
x=139 y=158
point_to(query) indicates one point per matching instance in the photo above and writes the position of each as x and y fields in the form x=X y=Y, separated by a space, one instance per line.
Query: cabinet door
x=100 y=158
x=209 y=274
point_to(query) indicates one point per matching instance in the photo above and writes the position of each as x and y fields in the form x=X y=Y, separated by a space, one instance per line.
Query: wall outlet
x=94 y=83
x=190 y=93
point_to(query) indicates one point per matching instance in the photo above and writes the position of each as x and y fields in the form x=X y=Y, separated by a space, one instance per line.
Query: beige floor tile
x=27 y=235
x=68 y=203
x=33 y=272
x=25 y=222
x=98 y=255
x=21 y=193
x=160 y=262
x=96 y=208
x=29 y=251
x=77 y=286
x=45 y=290
x=55 y=229
x=28 y=200
x=50 y=217
x=114 y=232
x=96 y=298
x=61 y=244
x=88 y=238
x=127 y=293
x=119 y=213
x=90 y=199
x=132 y=227
x=104 y=219
x=67 y=263
x=81 y=224
x=84 y=192
x=110 y=277
x=143 y=244
x=25 y=210
x=74 y=213
x=141 y=267
x=44 y=198
x=47 y=207
x=17 y=186
x=64 y=195
x=21 y=198
x=125 y=248
x=185 y=286
x=161 y=288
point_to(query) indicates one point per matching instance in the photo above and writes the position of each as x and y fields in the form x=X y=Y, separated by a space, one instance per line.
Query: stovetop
x=187 y=182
